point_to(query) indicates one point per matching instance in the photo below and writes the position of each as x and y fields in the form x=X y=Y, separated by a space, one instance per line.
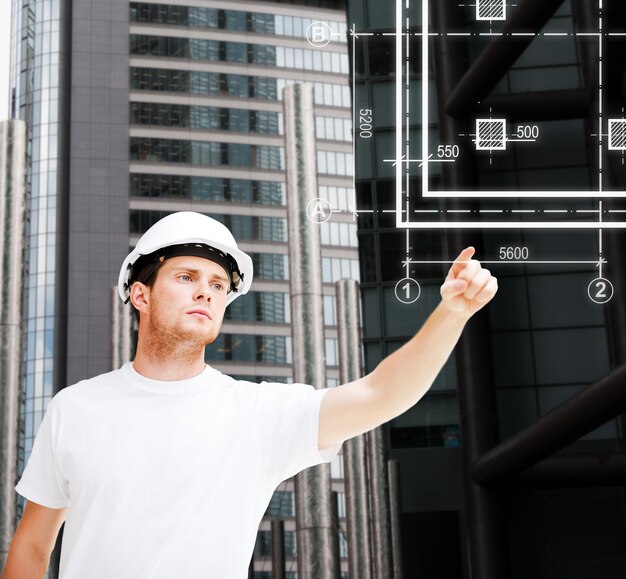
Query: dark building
x=542 y=340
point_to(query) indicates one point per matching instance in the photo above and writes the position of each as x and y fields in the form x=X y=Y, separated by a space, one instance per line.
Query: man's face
x=187 y=300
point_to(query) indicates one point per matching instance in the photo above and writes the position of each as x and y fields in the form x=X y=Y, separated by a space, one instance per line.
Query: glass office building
x=538 y=344
x=139 y=109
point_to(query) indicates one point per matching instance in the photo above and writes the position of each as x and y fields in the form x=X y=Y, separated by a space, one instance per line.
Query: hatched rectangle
x=490 y=134
x=490 y=9
x=617 y=134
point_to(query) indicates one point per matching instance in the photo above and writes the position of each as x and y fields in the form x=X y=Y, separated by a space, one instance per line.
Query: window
x=281 y=505
x=335 y=163
x=332 y=352
x=244 y=227
x=260 y=307
x=330 y=311
x=204 y=17
x=270 y=266
x=207 y=189
x=339 y=197
x=249 y=348
x=339 y=234
x=202 y=49
x=334 y=269
x=203 y=153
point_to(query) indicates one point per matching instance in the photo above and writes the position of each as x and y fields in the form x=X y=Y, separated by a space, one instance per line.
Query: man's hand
x=403 y=377
x=468 y=286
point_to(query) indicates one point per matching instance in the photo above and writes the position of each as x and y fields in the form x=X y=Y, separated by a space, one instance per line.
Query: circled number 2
x=600 y=290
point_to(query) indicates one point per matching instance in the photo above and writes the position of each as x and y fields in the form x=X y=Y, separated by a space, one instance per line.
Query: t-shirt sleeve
x=289 y=417
x=42 y=482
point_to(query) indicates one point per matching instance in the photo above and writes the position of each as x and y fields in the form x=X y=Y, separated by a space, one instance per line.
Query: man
x=164 y=468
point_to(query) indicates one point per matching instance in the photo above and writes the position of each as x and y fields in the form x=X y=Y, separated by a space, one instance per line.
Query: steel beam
x=486 y=530
x=540 y=105
x=589 y=409
x=574 y=471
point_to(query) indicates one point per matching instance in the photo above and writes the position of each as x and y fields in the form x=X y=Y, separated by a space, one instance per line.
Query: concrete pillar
x=355 y=449
x=278 y=549
x=120 y=331
x=378 y=457
x=12 y=275
x=317 y=539
x=395 y=511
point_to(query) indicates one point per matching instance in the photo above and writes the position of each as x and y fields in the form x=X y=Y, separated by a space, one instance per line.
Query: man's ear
x=140 y=296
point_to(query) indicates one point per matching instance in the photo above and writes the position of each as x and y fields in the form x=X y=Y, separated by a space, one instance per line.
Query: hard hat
x=189 y=233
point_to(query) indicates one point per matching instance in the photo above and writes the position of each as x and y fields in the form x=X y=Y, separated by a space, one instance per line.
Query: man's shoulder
x=87 y=386
x=285 y=390
x=265 y=389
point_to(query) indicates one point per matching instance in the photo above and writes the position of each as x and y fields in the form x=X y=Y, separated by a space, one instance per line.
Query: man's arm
x=402 y=378
x=33 y=542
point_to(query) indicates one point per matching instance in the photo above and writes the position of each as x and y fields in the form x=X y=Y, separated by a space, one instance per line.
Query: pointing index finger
x=460 y=261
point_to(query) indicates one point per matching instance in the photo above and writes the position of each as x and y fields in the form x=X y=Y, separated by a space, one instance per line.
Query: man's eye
x=184 y=276
x=218 y=286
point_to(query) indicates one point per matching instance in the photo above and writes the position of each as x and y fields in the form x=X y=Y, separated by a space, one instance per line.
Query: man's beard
x=167 y=338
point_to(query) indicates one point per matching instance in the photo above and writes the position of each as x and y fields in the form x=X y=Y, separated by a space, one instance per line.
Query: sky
x=5 y=49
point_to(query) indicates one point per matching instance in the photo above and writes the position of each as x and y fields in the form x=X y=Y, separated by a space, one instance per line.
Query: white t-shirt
x=168 y=479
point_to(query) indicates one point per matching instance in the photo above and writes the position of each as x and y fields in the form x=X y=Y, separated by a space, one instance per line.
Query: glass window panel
x=331 y=160
x=289 y=57
x=299 y=58
x=336 y=95
x=517 y=409
x=308 y=59
x=288 y=25
x=321 y=162
x=280 y=56
x=317 y=60
x=320 y=128
x=341 y=164
x=326 y=62
x=571 y=356
x=329 y=132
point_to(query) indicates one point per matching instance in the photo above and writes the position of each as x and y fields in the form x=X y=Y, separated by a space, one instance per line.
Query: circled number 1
x=408 y=290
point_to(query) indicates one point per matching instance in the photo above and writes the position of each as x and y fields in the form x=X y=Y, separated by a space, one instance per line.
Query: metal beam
x=574 y=471
x=614 y=175
x=582 y=413
x=499 y=56
x=486 y=531
x=540 y=105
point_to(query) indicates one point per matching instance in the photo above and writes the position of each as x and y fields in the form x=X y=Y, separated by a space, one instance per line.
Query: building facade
x=139 y=109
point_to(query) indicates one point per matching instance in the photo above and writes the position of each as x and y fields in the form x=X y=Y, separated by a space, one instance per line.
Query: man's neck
x=172 y=363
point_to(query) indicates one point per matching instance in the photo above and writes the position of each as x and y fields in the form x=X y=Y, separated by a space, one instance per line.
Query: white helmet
x=200 y=235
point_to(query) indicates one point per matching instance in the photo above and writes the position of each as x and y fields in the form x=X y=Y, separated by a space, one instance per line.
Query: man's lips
x=200 y=314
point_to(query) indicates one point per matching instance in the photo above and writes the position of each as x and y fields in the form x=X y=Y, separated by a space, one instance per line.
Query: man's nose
x=203 y=291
